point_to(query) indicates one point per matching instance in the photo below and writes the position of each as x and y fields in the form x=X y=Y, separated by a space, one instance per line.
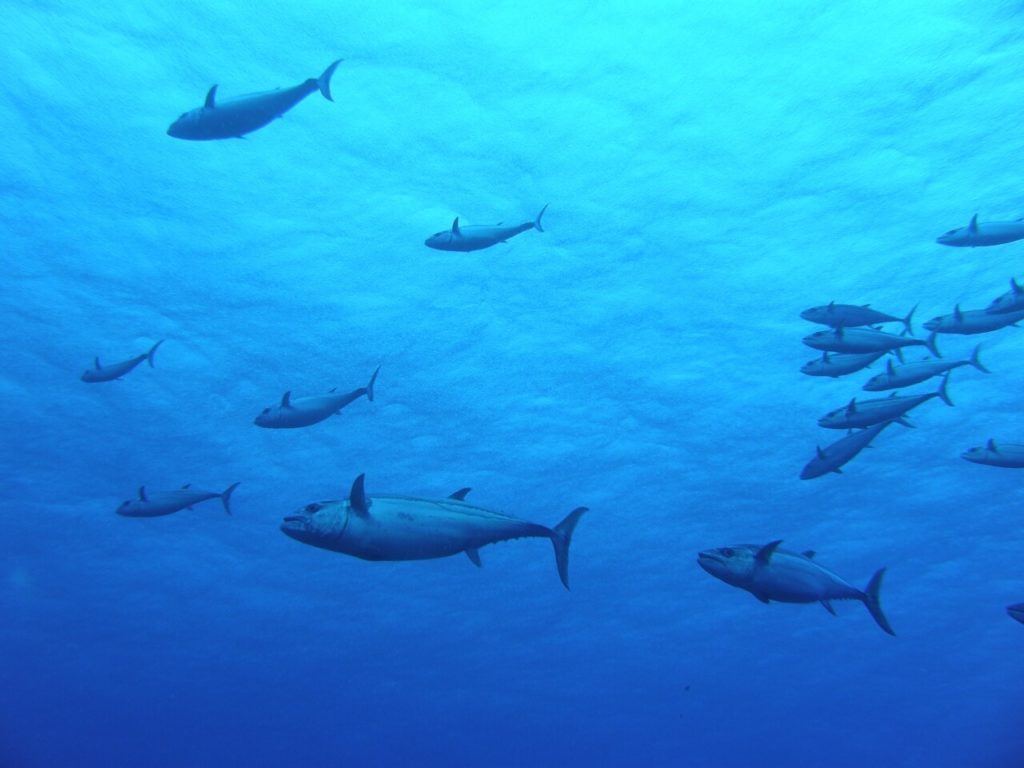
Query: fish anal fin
x=474 y=555
x=828 y=607
x=761 y=597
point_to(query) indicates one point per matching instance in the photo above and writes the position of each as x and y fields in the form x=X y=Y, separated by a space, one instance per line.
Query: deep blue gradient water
x=711 y=172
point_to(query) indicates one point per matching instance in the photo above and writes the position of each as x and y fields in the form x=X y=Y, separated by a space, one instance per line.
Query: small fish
x=851 y=315
x=1011 y=301
x=414 y=528
x=989 y=233
x=475 y=237
x=303 y=411
x=1002 y=455
x=770 y=573
x=835 y=364
x=896 y=377
x=970 y=321
x=842 y=451
x=868 y=412
x=1016 y=612
x=168 y=502
x=860 y=340
x=233 y=118
x=115 y=371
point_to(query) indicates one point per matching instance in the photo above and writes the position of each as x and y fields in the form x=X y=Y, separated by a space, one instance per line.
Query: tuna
x=1002 y=455
x=989 y=233
x=233 y=118
x=1011 y=301
x=836 y=365
x=862 y=340
x=115 y=371
x=869 y=412
x=896 y=377
x=770 y=573
x=476 y=237
x=842 y=451
x=291 y=412
x=851 y=315
x=413 y=528
x=971 y=321
x=1016 y=612
x=168 y=502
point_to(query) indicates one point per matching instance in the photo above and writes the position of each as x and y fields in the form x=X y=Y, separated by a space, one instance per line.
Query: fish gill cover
x=711 y=173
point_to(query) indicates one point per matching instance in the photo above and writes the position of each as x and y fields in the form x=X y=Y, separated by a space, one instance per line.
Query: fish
x=476 y=237
x=413 y=528
x=296 y=412
x=913 y=373
x=842 y=451
x=970 y=321
x=989 y=233
x=868 y=412
x=861 y=340
x=1011 y=301
x=770 y=573
x=233 y=118
x=1016 y=612
x=852 y=315
x=168 y=502
x=835 y=364
x=1002 y=455
x=115 y=371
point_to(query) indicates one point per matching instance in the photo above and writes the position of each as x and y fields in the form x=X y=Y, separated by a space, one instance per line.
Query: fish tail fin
x=932 y=347
x=943 y=392
x=226 y=497
x=871 y=600
x=369 y=386
x=561 y=538
x=536 y=222
x=151 y=353
x=906 y=321
x=976 y=361
x=324 y=81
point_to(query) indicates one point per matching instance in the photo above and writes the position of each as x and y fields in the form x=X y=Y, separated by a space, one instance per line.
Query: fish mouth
x=704 y=557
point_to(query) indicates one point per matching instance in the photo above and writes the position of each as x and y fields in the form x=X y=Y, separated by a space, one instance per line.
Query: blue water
x=711 y=171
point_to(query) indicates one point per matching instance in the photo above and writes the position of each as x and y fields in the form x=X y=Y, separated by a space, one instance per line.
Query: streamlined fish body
x=996 y=455
x=477 y=236
x=167 y=502
x=865 y=413
x=852 y=315
x=983 y=233
x=898 y=376
x=114 y=371
x=863 y=340
x=292 y=413
x=832 y=457
x=971 y=321
x=836 y=364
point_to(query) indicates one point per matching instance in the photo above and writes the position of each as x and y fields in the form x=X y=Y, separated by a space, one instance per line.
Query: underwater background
x=712 y=170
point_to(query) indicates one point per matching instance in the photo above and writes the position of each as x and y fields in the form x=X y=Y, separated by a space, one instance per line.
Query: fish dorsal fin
x=808 y=553
x=957 y=314
x=142 y=493
x=821 y=453
x=1017 y=290
x=991 y=445
x=455 y=227
x=828 y=607
x=839 y=331
x=851 y=408
x=357 y=500
x=831 y=306
x=460 y=494
x=889 y=367
x=973 y=226
x=210 y=96
x=764 y=554
x=96 y=361
x=186 y=486
x=825 y=358
x=286 y=399
x=892 y=395
x=474 y=554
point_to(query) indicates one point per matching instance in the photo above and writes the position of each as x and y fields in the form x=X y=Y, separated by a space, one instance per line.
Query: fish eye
x=728 y=551
x=312 y=508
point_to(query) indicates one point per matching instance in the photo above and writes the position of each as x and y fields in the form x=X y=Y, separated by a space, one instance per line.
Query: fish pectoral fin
x=828 y=607
x=474 y=555
x=808 y=553
x=460 y=495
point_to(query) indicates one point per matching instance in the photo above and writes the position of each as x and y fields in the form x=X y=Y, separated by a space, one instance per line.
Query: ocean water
x=712 y=170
